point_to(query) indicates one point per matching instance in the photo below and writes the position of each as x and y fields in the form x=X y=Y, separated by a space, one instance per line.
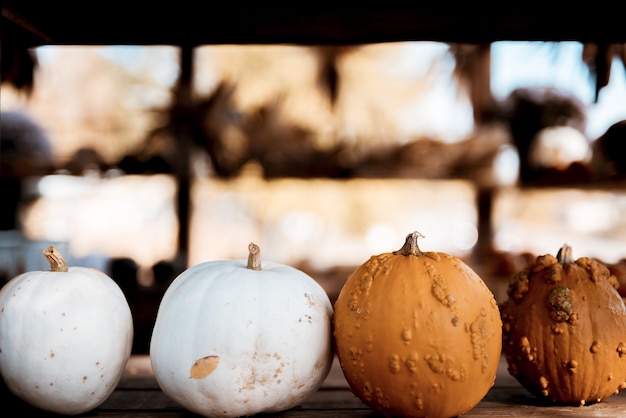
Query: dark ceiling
x=184 y=22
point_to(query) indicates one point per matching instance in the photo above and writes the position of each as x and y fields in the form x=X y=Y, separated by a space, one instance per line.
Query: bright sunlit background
x=108 y=98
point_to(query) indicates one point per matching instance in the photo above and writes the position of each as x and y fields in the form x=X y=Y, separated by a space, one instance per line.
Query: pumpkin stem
x=55 y=259
x=564 y=256
x=410 y=246
x=254 y=257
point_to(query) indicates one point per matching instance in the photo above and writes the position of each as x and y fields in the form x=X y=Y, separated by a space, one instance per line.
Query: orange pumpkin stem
x=410 y=246
x=57 y=263
x=254 y=257
x=564 y=256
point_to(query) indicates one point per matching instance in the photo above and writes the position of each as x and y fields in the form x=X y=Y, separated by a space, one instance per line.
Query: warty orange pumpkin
x=564 y=329
x=417 y=334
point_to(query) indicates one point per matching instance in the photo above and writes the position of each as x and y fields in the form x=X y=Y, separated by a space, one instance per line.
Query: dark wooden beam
x=309 y=23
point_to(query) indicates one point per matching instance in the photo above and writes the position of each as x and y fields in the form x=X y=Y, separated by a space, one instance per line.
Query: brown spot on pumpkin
x=310 y=299
x=84 y=379
x=621 y=350
x=204 y=367
x=559 y=302
x=254 y=379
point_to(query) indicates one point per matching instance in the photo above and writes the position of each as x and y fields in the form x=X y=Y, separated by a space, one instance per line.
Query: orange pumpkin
x=564 y=329
x=417 y=333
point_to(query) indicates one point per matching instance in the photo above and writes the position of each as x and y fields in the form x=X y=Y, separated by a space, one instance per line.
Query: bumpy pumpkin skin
x=232 y=341
x=564 y=330
x=417 y=335
x=65 y=338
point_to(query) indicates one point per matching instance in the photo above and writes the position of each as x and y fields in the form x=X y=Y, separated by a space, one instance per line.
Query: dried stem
x=254 y=257
x=564 y=256
x=57 y=263
x=410 y=246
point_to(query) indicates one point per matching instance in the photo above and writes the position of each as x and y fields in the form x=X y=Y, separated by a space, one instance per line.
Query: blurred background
x=322 y=155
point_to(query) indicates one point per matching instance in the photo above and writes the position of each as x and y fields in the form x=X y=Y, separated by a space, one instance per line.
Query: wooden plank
x=138 y=400
x=138 y=396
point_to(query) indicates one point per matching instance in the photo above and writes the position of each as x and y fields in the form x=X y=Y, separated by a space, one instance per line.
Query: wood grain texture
x=138 y=396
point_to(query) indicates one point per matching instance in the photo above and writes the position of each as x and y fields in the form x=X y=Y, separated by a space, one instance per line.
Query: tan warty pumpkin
x=564 y=329
x=417 y=334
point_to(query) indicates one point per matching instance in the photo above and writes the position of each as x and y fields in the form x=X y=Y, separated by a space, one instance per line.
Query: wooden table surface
x=139 y=396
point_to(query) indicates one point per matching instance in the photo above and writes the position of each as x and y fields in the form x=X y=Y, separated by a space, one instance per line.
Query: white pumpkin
x=65 y=336
x=234 y=339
